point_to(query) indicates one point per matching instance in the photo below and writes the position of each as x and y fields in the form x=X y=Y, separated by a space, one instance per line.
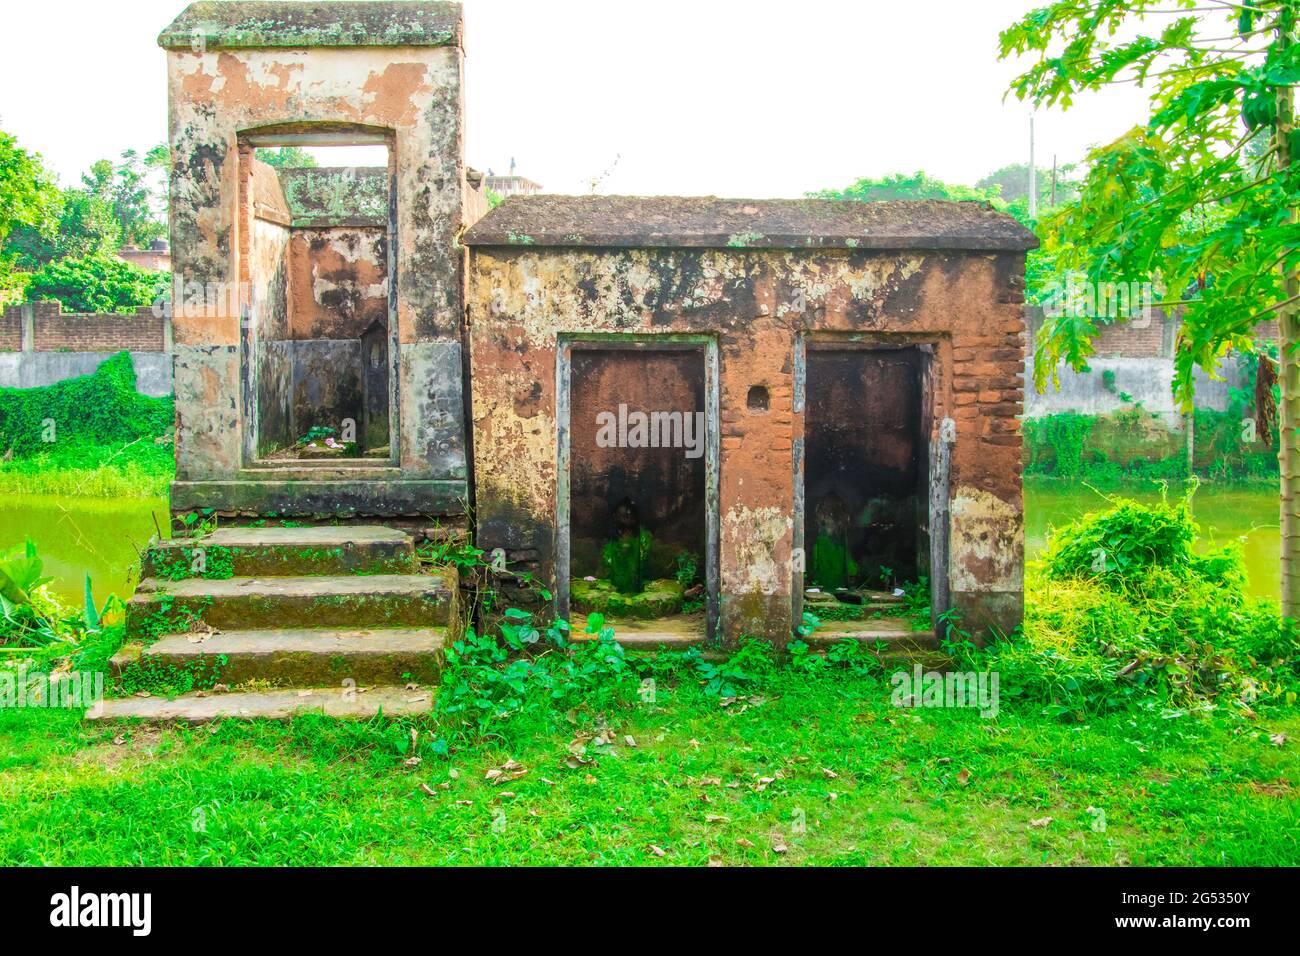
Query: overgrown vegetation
x=1125 y=612
x=1145 y=688
x=1134 y=444
x=94 y=434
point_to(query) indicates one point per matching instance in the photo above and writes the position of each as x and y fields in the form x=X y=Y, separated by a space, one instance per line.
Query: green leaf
x=91 y=615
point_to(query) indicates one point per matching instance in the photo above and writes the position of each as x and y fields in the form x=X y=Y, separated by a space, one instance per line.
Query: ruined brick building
x=855 y=369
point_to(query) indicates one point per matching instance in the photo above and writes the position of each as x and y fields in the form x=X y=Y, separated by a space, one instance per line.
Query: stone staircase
x=885 y=631
x=331 y=619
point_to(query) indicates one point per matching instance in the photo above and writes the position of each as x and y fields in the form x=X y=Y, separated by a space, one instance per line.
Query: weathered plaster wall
x=411 y=94
x=338 y=277
x=757 y=304
x=271 y=351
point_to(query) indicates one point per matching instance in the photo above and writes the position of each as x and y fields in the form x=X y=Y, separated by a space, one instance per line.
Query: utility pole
x=1033 y=177
x=1053 y=180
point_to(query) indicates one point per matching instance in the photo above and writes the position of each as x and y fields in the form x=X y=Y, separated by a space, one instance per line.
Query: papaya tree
x=1200 y=201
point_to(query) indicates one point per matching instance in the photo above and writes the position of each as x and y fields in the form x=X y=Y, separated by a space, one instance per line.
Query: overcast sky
x=725 y=97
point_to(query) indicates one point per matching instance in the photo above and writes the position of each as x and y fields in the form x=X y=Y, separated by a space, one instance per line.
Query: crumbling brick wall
x=11 y=330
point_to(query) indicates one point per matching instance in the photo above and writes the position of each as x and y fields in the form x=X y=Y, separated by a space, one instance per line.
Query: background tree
x=1201 y=199
x=286 y=157
x=906 y=186
x=28 y=195
x=29 y=199
x=97 y=284
x=85 y=226
x=1013 y=184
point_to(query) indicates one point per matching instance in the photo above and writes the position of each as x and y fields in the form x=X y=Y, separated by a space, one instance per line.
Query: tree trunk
x=1289 y=376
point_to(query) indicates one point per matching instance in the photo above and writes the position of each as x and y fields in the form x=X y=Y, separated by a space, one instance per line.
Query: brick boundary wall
x=1144 y=337
x=11 y=330
x=55 y=331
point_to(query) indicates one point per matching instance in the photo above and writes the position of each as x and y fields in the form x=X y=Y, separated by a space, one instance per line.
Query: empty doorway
x=866 y=472
x=637 y=504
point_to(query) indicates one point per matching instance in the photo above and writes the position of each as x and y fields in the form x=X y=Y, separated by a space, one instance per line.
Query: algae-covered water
x=74 y=537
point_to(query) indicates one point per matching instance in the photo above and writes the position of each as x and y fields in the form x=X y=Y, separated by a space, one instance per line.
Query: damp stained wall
x=757 y=303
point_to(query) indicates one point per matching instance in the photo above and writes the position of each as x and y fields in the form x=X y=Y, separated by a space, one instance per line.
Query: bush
x=97 y=283
x=98 y=409
x=1123 y=609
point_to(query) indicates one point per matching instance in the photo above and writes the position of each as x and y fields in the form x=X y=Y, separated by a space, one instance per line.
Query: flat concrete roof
x=258 y=24
x=709 y=222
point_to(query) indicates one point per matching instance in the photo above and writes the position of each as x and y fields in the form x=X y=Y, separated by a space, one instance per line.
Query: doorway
x=319 y=335
x=637 y=508
x=866 y=477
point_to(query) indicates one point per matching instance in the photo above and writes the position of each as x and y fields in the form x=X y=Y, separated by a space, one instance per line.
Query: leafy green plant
x=32 y=617
x=688 y=568
x=740 y=673
x=491 y=680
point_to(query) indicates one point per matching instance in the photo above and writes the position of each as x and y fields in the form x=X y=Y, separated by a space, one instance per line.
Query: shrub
x=1124 y=609
x=97 y=283
x=98 y=409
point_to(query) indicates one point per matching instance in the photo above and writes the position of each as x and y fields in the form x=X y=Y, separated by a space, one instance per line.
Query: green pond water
x=103 y=537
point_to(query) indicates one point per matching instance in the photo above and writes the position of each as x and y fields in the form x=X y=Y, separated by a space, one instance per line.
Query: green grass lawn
x=822 y=770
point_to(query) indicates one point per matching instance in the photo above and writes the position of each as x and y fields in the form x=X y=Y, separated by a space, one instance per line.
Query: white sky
x=727 y=97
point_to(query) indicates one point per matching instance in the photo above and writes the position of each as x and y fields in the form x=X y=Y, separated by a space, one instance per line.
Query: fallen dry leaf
x=963 y=778
x=510 y=770
x=428 y=789
x=829 y=774
x=1277 y=740
x=656 y=850
x=1040 y=822
x=747 y=844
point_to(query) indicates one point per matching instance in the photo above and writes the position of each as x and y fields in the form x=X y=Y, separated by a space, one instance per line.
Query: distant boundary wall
x=1141 y=355
x=41 y=345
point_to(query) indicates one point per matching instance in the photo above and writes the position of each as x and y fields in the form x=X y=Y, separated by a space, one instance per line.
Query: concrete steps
x=251 y=551
x=248 y=603
x=889 y=638
x=303 y=657
x=295 y=620
x=201 y=707
x=673 y=633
